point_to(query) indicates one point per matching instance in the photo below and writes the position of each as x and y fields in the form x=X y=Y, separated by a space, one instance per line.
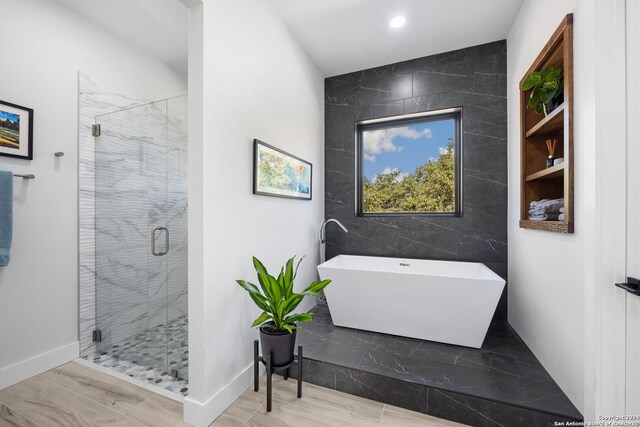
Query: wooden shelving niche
x=537 y=181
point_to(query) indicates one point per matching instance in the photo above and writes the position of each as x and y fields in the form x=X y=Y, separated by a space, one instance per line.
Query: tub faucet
x=323 y=247
x=323 y=236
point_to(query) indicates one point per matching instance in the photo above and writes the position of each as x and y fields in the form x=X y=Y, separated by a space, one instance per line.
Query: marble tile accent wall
x=132 y=178
x=474 y=79
x=94 y=99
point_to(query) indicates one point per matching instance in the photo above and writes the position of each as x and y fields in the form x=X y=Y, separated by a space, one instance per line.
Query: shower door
x=140 y=202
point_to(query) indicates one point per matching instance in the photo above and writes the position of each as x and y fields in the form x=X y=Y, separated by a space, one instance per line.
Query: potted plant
x=276 y=299
x=546 y=89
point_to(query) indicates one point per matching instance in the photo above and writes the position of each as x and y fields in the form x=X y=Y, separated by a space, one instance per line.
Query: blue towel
x=6 y=216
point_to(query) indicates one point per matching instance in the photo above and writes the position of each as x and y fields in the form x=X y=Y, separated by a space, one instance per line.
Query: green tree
x=430 y=188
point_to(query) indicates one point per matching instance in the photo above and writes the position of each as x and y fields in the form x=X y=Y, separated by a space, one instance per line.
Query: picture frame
x=277 y=173
x=16 y=131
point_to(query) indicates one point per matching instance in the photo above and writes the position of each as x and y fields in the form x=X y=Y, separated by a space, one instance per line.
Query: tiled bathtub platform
x=501 y=384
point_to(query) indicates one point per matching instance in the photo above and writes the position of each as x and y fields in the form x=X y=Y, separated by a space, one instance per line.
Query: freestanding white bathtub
x=445 y=301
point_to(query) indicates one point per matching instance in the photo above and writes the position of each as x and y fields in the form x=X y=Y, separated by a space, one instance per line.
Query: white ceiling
x=158 y=27
x=342 y=36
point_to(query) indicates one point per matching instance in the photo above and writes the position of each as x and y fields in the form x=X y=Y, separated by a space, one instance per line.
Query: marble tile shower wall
x=474 y=79
x=138 y=185
x=177 y=204
x=134 y=194
x=94 y=99
x=129 y=197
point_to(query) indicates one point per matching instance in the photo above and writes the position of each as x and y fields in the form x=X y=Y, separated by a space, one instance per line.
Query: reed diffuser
x=551 y=147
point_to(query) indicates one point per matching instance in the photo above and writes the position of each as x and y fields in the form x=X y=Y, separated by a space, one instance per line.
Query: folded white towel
x=562 y=209
x=561 y=217
x=546 y=206
x=545 y=217
x=535 y=203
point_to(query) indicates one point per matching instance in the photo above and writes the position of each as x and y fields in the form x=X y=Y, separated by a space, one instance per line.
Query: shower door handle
x=166 y=241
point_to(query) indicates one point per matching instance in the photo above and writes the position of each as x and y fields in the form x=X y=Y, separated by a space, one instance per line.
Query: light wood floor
x=76 y=395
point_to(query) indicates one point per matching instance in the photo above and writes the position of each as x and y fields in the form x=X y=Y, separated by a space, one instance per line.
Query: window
x=410 y=164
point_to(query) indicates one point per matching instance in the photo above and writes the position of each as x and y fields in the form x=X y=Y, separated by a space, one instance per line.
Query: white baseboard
x=201 y=414
x=36 y=365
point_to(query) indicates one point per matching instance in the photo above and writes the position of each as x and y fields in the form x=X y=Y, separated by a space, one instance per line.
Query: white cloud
x=388 y=171
x=401 y=176
x=382 y=140
x=432 y=159
x=444 y=150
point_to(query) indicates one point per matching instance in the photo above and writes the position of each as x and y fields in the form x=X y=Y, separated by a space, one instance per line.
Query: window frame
x=454 y=114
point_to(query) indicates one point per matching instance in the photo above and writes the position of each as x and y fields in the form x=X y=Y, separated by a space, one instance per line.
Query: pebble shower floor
x=137 y=355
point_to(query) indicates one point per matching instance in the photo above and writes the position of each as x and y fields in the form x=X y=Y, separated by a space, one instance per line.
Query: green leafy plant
x=544 y=86
x=276 y=298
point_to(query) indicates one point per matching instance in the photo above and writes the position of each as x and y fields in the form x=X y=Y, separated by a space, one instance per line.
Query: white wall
x=258 y=83
x=547 y=270
x=44 y=45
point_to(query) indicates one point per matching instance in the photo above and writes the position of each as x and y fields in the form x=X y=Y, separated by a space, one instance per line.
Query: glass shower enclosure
x=141 y=236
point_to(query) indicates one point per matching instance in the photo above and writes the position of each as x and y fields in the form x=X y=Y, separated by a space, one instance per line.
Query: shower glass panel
x=177 y=191
x=141 y=235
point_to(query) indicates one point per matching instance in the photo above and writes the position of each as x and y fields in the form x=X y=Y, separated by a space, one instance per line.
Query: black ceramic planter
x=554 y=103
x=279 y=345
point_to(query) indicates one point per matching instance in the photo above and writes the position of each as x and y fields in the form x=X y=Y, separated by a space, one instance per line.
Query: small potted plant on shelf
x=546 y=89
x=276 y=299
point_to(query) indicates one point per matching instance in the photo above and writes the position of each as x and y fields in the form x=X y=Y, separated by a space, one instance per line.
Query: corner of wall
x=253 y=84
x=195 y=213
x=200 y=414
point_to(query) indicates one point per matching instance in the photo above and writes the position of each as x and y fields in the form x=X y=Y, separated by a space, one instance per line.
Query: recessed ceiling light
x=397 y=22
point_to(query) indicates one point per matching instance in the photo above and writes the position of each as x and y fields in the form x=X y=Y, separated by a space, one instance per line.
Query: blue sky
x=404 y=148
x=10 y=116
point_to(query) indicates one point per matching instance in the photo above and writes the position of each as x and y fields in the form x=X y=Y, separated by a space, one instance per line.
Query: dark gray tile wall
x=474 y=79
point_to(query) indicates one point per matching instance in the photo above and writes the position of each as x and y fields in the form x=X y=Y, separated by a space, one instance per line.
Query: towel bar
x=30 y=176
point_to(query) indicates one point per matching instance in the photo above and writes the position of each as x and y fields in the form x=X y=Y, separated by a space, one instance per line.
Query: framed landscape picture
x=16 y=131
x=280 y=174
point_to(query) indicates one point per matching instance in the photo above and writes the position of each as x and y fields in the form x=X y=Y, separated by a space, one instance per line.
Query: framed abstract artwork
x=280 y=174
x=16 y=131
